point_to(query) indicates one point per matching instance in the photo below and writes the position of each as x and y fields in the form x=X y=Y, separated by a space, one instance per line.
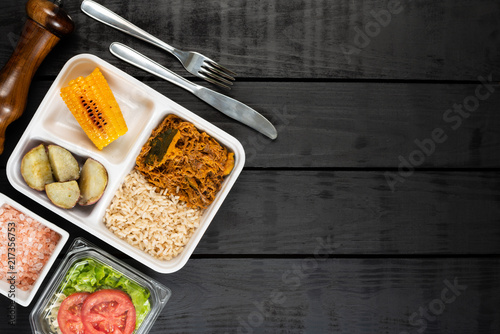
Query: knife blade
x=225 y=104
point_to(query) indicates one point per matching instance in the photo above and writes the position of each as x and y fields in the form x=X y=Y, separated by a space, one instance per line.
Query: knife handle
x=47 y=23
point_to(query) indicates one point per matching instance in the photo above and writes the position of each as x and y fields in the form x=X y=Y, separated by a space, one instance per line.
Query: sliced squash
x=161 y=146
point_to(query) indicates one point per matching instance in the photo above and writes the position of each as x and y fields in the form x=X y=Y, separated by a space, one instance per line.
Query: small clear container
x=42 y=315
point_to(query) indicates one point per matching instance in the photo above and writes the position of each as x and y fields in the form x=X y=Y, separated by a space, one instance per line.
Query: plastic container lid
x=82 y=253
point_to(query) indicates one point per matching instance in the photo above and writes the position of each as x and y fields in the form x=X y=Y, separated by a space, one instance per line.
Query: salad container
x=22 y=297
x=143 y=109
x=93 y=272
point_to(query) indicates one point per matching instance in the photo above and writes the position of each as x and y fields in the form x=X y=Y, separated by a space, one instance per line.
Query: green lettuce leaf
x=89 y=275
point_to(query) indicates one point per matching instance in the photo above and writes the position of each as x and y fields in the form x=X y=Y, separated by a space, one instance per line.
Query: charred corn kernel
x=94 y=106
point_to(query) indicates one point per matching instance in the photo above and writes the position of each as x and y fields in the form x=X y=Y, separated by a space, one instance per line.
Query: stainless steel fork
x=194 y=62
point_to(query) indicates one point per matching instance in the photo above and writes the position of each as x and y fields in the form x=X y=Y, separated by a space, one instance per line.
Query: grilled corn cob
x=94 y=106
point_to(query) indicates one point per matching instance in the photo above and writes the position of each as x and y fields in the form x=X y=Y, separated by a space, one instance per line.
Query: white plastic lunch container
x=143 y=109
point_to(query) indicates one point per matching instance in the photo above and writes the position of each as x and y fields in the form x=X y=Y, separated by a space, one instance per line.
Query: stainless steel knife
x=223 y=103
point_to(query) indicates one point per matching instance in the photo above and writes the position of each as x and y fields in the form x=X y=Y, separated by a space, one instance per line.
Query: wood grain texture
x=15 y=77
x=311 y=239
x=426 y=40
x=45 y=25
x=344 y=125
x=313 y=295
x=286 y=212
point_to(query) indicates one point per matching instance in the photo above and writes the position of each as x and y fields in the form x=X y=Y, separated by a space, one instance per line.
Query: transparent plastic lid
x=86 y=270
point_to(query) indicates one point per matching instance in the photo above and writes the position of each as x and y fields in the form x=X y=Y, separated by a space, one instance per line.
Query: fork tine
x=221 y=68
x=213 y=79
x=217 y=72
x=214 y=76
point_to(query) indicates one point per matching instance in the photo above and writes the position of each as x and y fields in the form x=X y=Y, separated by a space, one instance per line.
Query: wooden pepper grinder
x=47 y=23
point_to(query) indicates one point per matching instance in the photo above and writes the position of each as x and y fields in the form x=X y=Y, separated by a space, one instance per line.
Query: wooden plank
x=286 y=212
x=353 y=125
x=429 y=40
x=314 y=295
x=363 y=124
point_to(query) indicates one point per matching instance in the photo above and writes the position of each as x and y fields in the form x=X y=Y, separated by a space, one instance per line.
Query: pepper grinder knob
x=46 y=24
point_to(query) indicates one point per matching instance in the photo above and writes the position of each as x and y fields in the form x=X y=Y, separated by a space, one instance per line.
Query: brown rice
x=157 y=223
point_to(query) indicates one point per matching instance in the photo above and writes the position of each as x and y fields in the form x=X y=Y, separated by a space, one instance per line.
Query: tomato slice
x=69 y=314
x=108 y=311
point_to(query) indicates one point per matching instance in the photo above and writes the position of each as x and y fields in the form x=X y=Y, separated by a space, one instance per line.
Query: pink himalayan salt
x=34 y=243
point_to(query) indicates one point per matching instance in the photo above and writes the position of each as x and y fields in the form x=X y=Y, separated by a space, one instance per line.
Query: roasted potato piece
x=63 y=163
x=63 y=194
x=35 y=168
x=93 y=182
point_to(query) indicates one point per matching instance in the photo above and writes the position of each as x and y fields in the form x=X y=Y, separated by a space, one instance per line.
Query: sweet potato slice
x=35 y=168
x=63 y=194
x=63 y=163
x=93 y=182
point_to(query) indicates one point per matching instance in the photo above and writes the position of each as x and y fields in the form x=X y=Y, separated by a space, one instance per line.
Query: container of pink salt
x=29 y=245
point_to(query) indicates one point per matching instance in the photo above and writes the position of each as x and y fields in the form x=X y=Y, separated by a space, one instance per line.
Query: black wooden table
x=377 y=208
